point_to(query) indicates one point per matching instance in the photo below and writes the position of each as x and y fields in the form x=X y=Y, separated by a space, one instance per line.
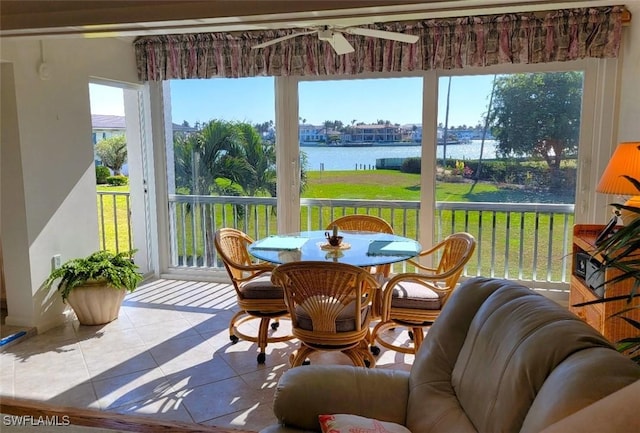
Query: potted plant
x=95 y=286
x=621 y=250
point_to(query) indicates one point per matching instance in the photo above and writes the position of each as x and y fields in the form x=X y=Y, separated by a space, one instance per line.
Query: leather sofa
x=500 y=358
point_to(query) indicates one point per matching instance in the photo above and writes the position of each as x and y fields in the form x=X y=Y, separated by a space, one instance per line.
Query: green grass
x=385 y=185
x=389 y=185
x=114 y=232
x=517 y=233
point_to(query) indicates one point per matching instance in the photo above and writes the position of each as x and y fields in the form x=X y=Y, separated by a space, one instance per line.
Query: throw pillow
x=347 y=423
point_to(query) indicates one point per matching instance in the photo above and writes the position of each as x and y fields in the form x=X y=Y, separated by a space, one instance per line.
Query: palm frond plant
x=622 y=251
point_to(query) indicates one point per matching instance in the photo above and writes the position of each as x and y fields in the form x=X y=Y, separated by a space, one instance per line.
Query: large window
x=221 y=163
x=495 y=155
x=354 y=137
x=508 y=146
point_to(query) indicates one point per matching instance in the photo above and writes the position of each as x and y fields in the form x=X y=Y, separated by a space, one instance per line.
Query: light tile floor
x=167 y=356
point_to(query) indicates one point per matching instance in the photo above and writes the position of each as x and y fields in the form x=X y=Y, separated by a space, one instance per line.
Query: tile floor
x=167 y=356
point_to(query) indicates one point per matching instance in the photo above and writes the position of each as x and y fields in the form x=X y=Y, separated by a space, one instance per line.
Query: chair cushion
x=408 y=294
x=348 y=423
x=261 y=288
x=345 y=322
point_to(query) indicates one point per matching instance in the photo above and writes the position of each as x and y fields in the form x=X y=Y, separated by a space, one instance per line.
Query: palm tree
x=210 y=161
x=446 y=127
x=220 y=155
x=327 y=125
x=484 y=131
x=260 y=158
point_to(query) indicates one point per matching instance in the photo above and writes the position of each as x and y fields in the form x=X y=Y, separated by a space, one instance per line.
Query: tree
x=212 y=153
x=260 y=176
x=538 y=114
x=112 y=152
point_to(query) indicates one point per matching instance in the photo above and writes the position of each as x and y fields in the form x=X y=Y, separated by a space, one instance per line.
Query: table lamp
x=625 y=162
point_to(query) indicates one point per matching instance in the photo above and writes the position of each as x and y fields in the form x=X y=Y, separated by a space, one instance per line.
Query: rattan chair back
x=329 y=307
x=256 y=295
x=365 y=223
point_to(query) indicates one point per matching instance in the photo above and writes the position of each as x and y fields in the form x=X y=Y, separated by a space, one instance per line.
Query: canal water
x=351 y=158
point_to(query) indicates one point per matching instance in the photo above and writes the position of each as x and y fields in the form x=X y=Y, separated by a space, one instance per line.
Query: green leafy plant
x=117 y=180
x=102 y=173
x=117 y=270
x=622 y=252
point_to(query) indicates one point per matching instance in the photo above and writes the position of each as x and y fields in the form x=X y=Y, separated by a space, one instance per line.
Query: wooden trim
x=105 y=420
x=3 y=288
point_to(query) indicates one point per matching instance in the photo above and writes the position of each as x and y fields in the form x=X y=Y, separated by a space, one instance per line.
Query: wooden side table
x=598 y=315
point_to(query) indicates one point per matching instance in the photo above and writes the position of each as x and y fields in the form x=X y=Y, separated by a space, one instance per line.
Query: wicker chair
x=368 y=223
x=329 y=308
x=363 y=223
x=414 y=300
x=257 y=297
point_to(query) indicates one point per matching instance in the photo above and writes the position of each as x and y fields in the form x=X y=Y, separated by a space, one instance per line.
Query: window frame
x=597 y=140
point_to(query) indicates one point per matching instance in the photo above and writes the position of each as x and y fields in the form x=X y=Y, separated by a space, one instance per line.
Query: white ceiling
x=352 y=16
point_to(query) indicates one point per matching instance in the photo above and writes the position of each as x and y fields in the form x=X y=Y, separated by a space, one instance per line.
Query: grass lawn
x=385 y=185
x=114 y=226
x=502 y=232
x=394 y=185
x=498 y=232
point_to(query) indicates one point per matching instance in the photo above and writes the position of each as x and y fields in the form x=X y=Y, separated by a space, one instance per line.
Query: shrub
x=118 y=180
x=411 y=165
x=102 y=173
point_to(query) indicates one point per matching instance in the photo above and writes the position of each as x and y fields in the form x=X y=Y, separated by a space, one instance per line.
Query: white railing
x=517 y=241
x=114 y=218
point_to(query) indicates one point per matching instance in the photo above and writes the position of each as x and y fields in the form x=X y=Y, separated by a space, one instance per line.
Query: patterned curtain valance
x=444 y=44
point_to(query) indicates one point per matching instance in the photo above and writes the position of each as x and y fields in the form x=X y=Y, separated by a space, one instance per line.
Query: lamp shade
x=624 y=162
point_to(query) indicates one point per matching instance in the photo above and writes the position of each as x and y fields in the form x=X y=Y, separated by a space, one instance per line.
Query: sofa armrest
x=307 y=391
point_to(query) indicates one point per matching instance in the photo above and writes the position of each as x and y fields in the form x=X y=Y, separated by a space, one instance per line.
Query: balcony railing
x=114 y=219
x=517 y=241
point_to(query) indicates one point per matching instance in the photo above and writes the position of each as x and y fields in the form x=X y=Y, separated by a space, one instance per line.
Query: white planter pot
x=96 y=303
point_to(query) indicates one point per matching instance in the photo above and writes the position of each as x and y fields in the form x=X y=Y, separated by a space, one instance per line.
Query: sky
x=252 y=100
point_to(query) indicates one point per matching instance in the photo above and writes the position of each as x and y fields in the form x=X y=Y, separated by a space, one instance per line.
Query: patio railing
x=114 y=221
x=517 y=241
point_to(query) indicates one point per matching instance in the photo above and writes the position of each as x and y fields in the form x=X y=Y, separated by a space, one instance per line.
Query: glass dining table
x=357 y=248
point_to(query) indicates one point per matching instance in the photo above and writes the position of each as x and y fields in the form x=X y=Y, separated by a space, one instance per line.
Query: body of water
x=351 y=158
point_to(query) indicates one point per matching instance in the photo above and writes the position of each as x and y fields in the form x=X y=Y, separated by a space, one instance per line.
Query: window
x=221 y=158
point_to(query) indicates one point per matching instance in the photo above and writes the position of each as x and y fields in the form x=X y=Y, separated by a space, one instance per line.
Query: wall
x=629 y=127
x=49 y=199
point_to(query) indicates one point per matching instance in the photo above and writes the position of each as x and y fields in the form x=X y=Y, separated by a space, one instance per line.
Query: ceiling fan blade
x=394 y=36
x=282 y=38
x=340 y=44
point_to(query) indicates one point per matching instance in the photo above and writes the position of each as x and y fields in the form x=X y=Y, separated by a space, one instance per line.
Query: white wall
x=54 y=164
x=629 y=127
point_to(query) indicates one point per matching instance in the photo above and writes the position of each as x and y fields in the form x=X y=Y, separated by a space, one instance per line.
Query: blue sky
x=252 y=100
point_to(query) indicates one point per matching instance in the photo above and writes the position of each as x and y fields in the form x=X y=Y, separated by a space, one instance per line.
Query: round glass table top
x=357 y=248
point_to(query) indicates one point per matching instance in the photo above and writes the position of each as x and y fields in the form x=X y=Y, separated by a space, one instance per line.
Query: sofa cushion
x=347 y=423
x=489 y=353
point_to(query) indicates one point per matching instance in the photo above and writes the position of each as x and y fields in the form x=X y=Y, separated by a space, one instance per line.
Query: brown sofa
x=500 y=358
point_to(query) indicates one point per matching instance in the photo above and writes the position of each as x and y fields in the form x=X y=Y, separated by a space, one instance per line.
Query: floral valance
x=443 y=44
